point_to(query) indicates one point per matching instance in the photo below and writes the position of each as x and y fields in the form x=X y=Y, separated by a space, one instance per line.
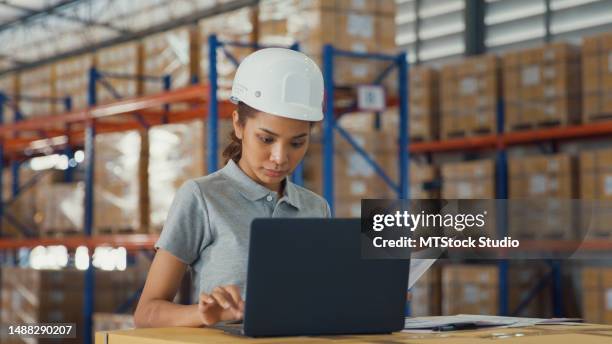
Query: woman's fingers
x=223 y=304
x=206 y=299
x=224 y=298
x=234 y=291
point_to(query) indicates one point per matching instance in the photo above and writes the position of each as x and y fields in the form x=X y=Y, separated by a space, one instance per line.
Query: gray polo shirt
x=209 y=222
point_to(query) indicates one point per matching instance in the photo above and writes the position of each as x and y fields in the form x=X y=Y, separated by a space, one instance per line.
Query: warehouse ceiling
x=39 y=30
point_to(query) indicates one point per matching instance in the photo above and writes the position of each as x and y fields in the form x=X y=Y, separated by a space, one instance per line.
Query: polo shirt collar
x=254 y=191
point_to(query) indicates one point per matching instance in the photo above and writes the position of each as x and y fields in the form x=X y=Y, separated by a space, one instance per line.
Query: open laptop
x=307 y=277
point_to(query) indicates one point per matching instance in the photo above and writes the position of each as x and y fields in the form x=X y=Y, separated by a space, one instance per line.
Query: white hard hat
x=281 y=82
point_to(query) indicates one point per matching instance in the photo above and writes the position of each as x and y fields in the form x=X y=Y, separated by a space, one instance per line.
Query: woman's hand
x=223 y=304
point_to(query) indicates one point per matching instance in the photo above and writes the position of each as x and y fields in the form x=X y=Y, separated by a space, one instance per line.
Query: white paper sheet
x=424 y=324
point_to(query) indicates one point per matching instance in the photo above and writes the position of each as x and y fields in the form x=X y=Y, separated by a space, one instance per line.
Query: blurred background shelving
x=506 y=99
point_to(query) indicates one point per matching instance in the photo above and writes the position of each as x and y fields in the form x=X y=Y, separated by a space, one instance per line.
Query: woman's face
x=272 y=147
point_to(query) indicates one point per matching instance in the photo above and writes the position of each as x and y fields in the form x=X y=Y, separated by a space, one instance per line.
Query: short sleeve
x=186 y=230
x=328 y=213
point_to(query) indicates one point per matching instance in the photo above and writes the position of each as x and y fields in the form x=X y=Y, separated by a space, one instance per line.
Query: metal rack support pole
x=328 y=127
x=213 y=106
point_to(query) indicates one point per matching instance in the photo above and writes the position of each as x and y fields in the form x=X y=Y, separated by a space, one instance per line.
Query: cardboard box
x=546 y=184
x=60 y=206
x=236 y=26
x=177 y=153
x=474 y=289
x=469 y=289
x=354 y=177
x=167 y=53
x=424 y=104
x=472 y=180
x=469 y=94
x=72 y=80
x=523 y=278
x=468 y=180
x=597 y=77
x=422 y=179
x=596 y=291
x=541 y=86
x=596 y=193
x=121 y=59
x=117 y=176
x=427 y=294
x=24 y=211
x=9 y=86
x=38 y=296
x=37 y=82
x=361 y=26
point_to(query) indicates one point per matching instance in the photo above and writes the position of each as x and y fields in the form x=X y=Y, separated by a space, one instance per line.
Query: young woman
x=279 y=95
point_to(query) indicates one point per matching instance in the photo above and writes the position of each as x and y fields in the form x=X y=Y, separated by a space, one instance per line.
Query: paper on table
x=420 y=324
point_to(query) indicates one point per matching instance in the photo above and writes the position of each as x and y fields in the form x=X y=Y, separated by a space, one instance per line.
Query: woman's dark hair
x=233 y=150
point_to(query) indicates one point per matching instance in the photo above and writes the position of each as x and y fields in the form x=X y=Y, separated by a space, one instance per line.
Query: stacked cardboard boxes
x=472 y=180
x=354 y=177
x=72 y=80
x=177 y=153
x=60 y=208
x=38 y=296
x=544 y=185
x=167 y=53
x=597 y=77
x=117 y=182
x=470 y=289
x=235 y=26
x=424 y=115
x=596 y=193
x=37 y=82
x=523 y=278
x=8 y=86
x=474 y=289
x=354 y=25
x=427 y=294
x=121 y=59
x=422 y=179
x=24 y=211
x=542 y=87
x=469 y=93
x=597 y=295
x=468 y=180
x=13 y=210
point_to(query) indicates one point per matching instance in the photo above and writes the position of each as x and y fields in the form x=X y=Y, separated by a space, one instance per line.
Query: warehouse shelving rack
x=80 y=127
x=398 y=61
x=12 y=100
x=141 y=112
x=500 y=142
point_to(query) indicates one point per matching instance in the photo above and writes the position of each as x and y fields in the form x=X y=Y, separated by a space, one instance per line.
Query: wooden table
x=550 y=334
